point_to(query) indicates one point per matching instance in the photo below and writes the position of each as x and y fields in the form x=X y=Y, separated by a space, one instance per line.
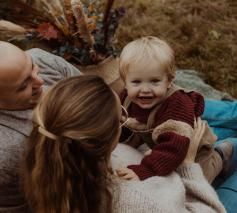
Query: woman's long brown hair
x=71 y=174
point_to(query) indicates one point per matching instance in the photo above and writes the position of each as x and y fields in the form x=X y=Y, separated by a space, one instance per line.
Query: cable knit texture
x=184 y=191
x=172 y=130
x=165 y=157
x=15 y=127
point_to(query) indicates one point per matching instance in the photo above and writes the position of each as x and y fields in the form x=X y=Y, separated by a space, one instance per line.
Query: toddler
x=162 y=114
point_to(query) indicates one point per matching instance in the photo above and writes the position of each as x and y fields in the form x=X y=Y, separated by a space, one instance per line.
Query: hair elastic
x=46 y=133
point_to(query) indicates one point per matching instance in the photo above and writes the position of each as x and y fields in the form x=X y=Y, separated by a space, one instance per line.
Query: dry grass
x=203 y=34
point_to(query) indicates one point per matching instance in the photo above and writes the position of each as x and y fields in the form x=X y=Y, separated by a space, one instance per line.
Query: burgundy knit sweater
x=177 y=111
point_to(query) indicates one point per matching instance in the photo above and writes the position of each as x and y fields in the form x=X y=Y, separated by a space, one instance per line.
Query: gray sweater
x=15 y=127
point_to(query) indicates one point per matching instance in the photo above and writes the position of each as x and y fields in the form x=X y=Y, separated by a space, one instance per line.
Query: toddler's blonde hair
x=144 y=52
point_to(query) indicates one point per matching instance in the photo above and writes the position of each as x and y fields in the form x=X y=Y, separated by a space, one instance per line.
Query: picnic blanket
x=192 y=80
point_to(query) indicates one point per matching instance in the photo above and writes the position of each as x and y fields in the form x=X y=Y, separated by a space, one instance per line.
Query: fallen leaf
x=47 y=31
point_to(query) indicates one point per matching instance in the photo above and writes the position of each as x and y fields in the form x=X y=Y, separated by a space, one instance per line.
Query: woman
x=67 y=162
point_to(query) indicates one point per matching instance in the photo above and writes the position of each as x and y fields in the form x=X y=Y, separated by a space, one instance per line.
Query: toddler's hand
x=148 y=152
x=132 y=123
x=127 y=174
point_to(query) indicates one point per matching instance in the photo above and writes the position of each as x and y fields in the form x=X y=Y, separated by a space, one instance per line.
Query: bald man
x=23 y=78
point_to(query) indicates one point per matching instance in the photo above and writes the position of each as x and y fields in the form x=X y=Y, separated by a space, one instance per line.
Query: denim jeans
x=226 y=187
x=227 y=193
x=222 y=118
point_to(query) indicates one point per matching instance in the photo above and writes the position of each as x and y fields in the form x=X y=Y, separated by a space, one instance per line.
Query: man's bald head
x=18 y=78
x=12 y=61
x=7 y=48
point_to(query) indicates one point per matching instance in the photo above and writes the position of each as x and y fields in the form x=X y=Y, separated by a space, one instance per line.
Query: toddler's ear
x=170 y=79
x=170 y=84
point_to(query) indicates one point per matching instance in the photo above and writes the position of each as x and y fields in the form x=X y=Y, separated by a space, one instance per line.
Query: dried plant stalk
x=9 y=30
x=55 y=10
x=81 y=21
x=7 y=25
x=106 y=21
x=69 y=15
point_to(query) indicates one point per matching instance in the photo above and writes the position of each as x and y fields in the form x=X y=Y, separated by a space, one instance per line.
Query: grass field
x=203 y=34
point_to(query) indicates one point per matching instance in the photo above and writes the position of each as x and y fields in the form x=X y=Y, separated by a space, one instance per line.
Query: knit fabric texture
x=172 y=130
x=183 y=191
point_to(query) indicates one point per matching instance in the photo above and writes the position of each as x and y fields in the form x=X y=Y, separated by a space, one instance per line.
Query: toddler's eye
x=136 y=81
x=155 y=80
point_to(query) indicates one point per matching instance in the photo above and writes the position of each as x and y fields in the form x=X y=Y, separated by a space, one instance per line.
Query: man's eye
x=23 y=87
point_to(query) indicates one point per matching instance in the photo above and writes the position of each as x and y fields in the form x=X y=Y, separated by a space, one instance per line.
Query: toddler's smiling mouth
x=145 y=97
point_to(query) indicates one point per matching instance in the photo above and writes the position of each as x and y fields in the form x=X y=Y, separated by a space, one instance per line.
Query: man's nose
x=38 y=81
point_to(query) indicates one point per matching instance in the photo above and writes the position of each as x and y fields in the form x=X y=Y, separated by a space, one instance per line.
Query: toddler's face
x=147 y=88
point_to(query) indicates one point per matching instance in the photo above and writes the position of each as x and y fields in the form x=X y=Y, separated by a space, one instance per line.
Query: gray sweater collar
x=19 y=121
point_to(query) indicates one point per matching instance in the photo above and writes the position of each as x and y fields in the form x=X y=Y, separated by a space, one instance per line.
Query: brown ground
x=203 y=34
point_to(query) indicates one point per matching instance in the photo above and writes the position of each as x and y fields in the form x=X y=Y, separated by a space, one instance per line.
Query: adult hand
x=127 y=174
x=199 y=129
x=148 y=152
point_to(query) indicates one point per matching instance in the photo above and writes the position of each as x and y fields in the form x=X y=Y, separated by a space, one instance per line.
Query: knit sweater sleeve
x=165 y=156
x=180 y=107
x=52 y=64
x=172 y=134
x=201 y=197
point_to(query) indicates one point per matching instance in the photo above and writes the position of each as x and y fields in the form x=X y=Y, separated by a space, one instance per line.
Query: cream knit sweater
x=185 y=190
